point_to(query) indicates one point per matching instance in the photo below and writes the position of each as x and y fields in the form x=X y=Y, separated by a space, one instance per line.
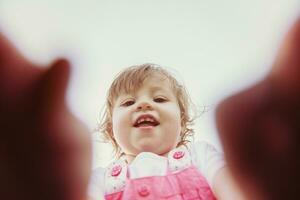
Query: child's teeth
x=147 y=119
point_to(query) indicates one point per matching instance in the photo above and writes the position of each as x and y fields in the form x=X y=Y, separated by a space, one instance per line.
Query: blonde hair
x=130 y=80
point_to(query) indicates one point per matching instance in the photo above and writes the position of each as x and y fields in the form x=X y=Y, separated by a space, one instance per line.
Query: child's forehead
x=153 y=83
x=156 y=81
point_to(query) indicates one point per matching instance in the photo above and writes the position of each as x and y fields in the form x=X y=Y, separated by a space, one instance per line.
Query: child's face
x=156 y=103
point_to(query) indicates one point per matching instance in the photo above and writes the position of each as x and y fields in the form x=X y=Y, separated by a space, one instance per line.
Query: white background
x=215 y=47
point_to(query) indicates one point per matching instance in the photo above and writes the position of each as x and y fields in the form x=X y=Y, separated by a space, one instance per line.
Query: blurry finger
x=286 y=70
x=237 y=119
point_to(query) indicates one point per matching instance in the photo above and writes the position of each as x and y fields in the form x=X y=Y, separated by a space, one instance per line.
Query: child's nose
x=144 y=106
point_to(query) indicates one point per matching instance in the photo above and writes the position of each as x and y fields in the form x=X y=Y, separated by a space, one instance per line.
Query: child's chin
x=148 y=146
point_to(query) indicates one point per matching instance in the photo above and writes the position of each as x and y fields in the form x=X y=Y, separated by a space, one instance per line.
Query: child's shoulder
x=107 y=179
x=96 y=183
x=201 y=146
x=204 y=151
x=207 y=158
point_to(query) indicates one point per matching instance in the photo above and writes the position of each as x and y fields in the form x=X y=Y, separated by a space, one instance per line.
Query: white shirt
x=203 y=155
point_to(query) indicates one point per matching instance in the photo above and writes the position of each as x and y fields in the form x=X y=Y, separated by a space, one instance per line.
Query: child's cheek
x=121 y=120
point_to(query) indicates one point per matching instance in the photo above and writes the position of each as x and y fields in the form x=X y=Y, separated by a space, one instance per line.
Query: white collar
x=148 y=164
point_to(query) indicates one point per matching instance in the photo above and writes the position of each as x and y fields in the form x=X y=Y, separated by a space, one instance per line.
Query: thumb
x=54 y=86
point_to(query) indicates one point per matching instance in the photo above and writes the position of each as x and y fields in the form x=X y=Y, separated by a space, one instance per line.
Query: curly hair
x=129 y=81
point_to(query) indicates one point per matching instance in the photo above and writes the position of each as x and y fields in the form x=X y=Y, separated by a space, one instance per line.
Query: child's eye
x=160 y=99
x=128 y=103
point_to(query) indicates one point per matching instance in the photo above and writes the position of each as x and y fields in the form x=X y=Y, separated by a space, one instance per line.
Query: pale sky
x=215 y=47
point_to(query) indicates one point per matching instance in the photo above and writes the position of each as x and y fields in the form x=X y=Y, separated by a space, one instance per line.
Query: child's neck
x=130 y=157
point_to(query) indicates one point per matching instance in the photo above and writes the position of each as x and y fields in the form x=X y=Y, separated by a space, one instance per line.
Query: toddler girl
x=147 y=121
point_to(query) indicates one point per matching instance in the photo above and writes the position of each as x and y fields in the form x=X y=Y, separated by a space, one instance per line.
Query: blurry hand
x=44 y=149
x=260 y=128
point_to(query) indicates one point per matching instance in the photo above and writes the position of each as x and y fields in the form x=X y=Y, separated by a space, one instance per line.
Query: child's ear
x=183 y=125
x=109 y=128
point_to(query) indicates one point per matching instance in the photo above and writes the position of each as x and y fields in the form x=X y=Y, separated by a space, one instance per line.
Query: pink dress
x=182 y=181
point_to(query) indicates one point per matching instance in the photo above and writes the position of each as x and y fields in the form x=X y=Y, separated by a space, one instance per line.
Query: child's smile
x=146 y=121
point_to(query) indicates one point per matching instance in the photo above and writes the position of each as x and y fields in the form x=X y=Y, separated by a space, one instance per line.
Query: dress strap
x=115 y=176
x=179 y=159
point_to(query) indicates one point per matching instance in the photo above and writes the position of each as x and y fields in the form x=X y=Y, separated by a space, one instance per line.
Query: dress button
x=178 y=154
x=143 y=190
x=116 y=170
